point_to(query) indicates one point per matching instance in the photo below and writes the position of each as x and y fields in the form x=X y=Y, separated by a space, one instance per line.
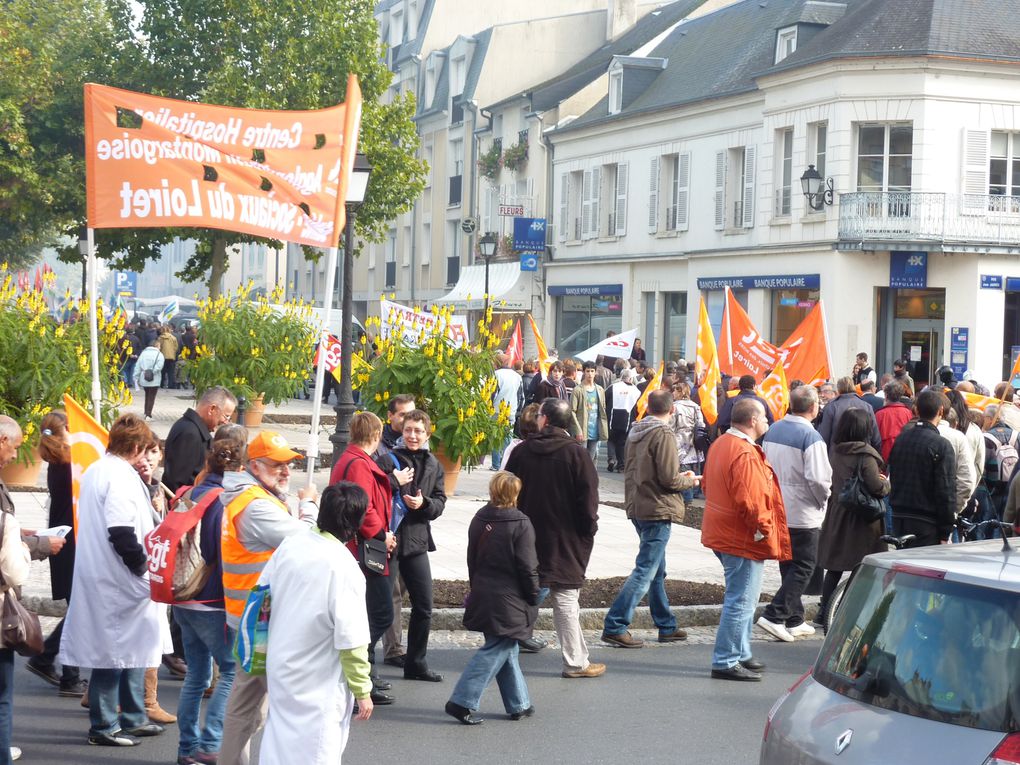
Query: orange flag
x=88 y=444
x=707 y=367
x=742 y=351
x=515 y=348
x=653 y=385
x=1014 y=371
x=977 y=401
x=806 y=350
x=543 y=353
x=776 y=392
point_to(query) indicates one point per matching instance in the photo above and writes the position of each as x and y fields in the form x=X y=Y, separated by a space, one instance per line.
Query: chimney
x=620 y=16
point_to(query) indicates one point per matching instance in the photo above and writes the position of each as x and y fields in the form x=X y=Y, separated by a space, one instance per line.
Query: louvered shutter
x=563 y=223
x=621 y=200
x=749 y=166
x=585 y=203
x=683 y=191
x=976 y=144
x=596 y=198
x=653 y=196
x=720 y=189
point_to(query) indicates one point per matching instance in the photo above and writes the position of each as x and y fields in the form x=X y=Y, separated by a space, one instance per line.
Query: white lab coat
x=318 y=609
x=111 y=622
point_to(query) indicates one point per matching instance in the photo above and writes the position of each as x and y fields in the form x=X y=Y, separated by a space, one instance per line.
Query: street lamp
x=818 y=190
x=344 y=408
x=487 y=246
x=83 y=250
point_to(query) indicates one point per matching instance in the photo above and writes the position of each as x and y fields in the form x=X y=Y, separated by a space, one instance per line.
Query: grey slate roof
x=474 y=71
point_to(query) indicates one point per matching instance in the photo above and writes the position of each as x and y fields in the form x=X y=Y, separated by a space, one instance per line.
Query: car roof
x=986 y=563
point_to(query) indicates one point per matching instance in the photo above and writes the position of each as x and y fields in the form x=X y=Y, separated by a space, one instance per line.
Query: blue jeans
x=129 y=372
x=496 y=658
x=109 y=688
x=6 y=704
x=648 y=576
x=743 y=587
x=206 y=638
x=592 y=445
x=497 y=454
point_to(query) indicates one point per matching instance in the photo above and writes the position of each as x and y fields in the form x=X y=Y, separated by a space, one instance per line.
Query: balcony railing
x=522 y=136
x=926 y=216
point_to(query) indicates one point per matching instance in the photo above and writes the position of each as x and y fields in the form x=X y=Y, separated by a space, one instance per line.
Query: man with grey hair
x=799 y=457
x=846 y=400
x=189 y=438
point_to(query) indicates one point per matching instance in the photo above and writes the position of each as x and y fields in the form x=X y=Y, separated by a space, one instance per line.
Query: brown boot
x=155 y=712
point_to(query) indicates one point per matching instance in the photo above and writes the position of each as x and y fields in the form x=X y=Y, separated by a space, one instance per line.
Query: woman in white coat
x=114 y=628
x=148 y=369
x=317 y=656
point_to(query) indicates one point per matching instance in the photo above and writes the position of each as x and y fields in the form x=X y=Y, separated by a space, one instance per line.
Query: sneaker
x=801 y=630
x=49 y=674
x=73 y=689
x=778 y=631
x=117 y=738
x=532 y=644
x=15 y=753
x=673 y=637
x=624 y=640
x=737 y=672
x=592 y=670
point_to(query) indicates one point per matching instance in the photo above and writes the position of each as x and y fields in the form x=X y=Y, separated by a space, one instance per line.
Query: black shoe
x=381 y=685
x=753 y=664
x=73 y=689
x=381 y=699
x=49 y=674
x=144 y=731
x=523 y=713
x=462 y=713
x=395 y=661
x=427 y=675
x=532 y=644
x=175 y=665
x=117 y=738
x=736 y=672
x=611 y=467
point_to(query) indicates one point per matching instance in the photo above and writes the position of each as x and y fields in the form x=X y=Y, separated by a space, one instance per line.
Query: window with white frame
x=458 y=69
x=678 y=179
x=430 y=80
x=425 y=251
x=590 y=192
x=1004 y=164
x=396 y=27
x=457 y=157
x=615 y=91
x=884 y=157
x=571 y=204
x=786 y=42
x=391 y=260
x=735 y=187
x=819 y=135
x=452 y=252
x=612 y=202
x=784 y=171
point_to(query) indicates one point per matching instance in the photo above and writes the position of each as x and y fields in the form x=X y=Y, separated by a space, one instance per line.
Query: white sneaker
x=15 y=753
x=801 y=630
x=777 y=631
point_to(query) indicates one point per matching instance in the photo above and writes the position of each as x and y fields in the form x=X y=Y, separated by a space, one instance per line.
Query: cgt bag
x=20 y=630
x=177 y=570
x=856 y=498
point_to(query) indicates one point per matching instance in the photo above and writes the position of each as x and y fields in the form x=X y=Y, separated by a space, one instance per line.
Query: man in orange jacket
x=745 y=525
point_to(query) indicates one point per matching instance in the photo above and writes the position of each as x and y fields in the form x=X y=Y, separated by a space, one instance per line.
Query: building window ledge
x=608 y=239
x=671 y=233
x=781 y=220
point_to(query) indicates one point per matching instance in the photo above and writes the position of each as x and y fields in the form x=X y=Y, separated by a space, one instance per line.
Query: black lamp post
x=487 y=246
x=817 y=190
x=344 y=408
x=83 y=250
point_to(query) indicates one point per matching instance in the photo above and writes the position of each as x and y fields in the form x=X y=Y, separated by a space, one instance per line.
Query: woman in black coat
x=503 y=604
x=424 y=499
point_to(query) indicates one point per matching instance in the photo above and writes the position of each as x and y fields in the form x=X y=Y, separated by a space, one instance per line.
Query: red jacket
x=891 y=418
x=357 y=466
x=742 y=497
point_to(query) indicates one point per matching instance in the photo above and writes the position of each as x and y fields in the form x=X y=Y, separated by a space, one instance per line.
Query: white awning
x=506 y=282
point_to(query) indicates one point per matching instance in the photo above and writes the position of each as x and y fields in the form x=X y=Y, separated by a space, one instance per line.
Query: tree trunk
x=219 y=265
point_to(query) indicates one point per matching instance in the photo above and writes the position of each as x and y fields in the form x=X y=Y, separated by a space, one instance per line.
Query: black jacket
x=726 y=415
x=415 y=534
x=503 y=569
x=560 y=494
x=58 y=481
x=922 y=471
x=186 y=448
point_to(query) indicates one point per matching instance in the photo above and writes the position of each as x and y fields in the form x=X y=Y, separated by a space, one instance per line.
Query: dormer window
x=615 y=91
x=786 y=42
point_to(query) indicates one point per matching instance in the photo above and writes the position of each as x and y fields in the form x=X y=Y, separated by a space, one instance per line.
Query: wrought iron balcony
x=923 y=216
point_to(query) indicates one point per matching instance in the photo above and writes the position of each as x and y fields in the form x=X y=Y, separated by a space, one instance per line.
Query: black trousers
x=618 y=438
x=926 y=533
x=51 y=647
x=379 y=603
x=786 y=606
x=150 y=398
x=416 y=574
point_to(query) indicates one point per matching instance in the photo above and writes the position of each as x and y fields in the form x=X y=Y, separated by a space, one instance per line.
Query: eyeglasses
x=275 y=467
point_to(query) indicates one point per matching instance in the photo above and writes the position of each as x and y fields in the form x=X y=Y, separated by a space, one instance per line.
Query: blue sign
x=789 y=282
x=1012 y=284
x=959 y=339
x=125 y=283
x=588 y=289
x=908 y=270
x=529 y=261
x=989 y=282
x=529 y=234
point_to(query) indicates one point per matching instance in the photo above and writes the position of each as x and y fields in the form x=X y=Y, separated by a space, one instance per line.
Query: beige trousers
x=567 y=621
x=246 y=713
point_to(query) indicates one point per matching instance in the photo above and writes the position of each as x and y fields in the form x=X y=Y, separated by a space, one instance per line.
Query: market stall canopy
x=506 y=282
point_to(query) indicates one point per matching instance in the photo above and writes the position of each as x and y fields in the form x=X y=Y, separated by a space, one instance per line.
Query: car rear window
x=927 y=647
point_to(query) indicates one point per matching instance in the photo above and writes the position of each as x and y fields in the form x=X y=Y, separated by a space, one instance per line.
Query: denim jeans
x=496 y=658
x=743 y=587
x=6 y=704
x=648 y=576
x=109 y=688
x=497 y=454
x=207 y=638
x=787 y=606
x=129 y=372
x=593 y=450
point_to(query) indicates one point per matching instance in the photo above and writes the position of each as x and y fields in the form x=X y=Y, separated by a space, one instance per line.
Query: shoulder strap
x=396 y=462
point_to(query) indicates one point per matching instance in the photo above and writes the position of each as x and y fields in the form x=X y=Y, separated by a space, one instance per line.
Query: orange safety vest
x=241 y=566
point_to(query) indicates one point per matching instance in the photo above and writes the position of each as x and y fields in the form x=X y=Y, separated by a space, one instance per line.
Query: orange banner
x=707 y=367
x=88 y=444
x=543 y=352
x=653 y=385
x=776 y=392
x=154 y=162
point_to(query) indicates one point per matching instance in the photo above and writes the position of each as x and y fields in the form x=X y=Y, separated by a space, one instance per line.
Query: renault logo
x=843 y=740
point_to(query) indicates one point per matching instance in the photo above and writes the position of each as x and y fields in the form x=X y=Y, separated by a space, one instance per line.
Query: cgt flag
x=653 y=385
x=776 y=392
x=515 y=348
x=88 y=444
x=707 y=367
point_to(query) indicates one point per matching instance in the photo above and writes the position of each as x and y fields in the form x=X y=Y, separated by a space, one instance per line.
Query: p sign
x=125 y=283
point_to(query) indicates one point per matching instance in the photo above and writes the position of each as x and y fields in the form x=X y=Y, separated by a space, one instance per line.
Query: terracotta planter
x=20 y=474
x=253 y=413
x=451 y=470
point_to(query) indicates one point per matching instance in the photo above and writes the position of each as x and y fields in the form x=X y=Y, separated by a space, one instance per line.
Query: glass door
x=916 y=347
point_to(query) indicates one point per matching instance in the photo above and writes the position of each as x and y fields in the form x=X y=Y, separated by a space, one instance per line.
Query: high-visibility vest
x=241 y=566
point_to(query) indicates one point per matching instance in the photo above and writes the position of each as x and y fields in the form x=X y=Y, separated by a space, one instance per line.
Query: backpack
x=1001 y=458
x=177 y=570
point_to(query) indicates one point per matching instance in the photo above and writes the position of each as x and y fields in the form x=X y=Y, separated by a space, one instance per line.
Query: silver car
x=921 y=665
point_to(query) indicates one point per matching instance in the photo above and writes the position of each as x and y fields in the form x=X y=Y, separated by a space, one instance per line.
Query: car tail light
x=1007 y=752
x=931 y=573
x=779 y=703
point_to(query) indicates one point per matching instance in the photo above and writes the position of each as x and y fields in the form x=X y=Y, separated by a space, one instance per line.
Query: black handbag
x=372 y=554
x=856 y=498
x=20 y=630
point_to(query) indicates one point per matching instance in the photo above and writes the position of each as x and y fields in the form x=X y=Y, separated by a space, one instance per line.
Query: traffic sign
x=469 y=225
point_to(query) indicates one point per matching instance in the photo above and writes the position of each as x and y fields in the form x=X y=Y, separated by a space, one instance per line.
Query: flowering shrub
x=452 y=382
x=253 y=347
x=41 y=359
x=490 y=162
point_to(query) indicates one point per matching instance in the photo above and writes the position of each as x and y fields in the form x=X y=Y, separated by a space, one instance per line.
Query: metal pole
x=320 y=368
x=93 y=287
x=485 y=309
x=344 y=408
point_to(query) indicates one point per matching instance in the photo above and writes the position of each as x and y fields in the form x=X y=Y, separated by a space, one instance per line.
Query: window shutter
x=720 y=189
x=749 y=163
x=683 y=191
x=563 y=223
x=976 y=144
x=594 y=229
x=621 y=199
x=653 y=196
x=487 y=209
x=585 y=204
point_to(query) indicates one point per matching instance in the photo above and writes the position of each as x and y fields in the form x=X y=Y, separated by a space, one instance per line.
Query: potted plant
x=255 y=347
x=516 y=157
x=453 y=383
x=42 y=359
x=490 y=162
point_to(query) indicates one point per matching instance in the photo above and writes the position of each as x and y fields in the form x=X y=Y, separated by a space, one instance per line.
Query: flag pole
x=320 y=368
x=93 y=289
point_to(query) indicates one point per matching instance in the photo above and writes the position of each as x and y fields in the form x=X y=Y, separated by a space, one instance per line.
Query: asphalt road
x=654 y=705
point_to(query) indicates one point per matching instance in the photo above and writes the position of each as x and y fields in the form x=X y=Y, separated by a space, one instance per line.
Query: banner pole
x=320 y=368
x=93 y=289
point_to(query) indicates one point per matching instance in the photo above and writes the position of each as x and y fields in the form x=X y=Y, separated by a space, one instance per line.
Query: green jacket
x=579 y=409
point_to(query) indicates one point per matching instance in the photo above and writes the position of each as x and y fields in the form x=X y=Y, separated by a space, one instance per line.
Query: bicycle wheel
x=834 y=602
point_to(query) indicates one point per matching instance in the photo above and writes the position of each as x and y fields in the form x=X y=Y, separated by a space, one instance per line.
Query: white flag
x=617 y=347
